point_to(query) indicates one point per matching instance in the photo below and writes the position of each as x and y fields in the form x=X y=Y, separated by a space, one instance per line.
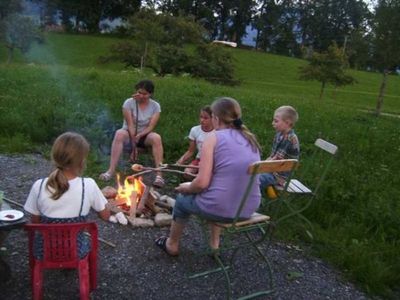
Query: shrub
x=171 y=60
x=214 y=63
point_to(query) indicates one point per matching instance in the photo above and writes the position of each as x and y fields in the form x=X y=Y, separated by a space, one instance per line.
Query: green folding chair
x=314 y=174
x=246 y=235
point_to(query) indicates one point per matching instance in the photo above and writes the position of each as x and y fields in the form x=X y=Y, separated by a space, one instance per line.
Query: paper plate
x=11 y=215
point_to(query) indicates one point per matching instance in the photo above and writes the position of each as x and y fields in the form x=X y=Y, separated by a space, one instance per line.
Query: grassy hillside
x=60 y=86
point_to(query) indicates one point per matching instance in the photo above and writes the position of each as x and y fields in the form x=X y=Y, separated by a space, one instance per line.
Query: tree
x=20 y=33
x=320 y=22
x=242 y=11
x=7 y=7
x=386 y=42
x=327 y=67
x=86 y=15
x=158 y=42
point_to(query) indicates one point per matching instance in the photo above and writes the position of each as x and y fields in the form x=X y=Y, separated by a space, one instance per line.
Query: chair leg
x=84 y=279
x=37 y=281
x=92 y=270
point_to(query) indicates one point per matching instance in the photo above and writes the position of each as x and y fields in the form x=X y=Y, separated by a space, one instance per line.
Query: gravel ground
x=136 y=269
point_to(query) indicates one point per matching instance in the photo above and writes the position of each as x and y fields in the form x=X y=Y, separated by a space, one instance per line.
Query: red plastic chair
x=60 y=251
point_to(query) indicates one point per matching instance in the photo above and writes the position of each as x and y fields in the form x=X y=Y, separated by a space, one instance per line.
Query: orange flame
x=129 y=189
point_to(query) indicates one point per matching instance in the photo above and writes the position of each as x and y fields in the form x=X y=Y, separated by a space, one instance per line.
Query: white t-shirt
x=198 y=135
x=69 y=204
x=144 y=115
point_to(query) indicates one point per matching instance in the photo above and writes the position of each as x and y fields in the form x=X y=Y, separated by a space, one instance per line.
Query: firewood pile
x=151 y=209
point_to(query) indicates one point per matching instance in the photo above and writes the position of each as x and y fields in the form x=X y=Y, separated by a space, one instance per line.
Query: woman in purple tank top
x=216 y=192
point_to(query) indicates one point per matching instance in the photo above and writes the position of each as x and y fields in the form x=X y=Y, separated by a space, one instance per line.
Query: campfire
x=141 y=204
x=129 y=195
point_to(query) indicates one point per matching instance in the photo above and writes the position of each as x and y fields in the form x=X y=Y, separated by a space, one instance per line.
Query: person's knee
x=120 y=136
x=154 y=140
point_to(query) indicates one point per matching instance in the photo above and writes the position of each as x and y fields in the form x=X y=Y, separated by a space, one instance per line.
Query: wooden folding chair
x=246 y=234
x=314 y=173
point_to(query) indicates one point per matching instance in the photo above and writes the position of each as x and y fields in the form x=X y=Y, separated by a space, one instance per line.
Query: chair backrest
x=265 y=166
x=60 y=246
x=321 y=160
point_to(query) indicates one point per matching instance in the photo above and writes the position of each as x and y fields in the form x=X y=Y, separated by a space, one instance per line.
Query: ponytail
x=229 y=112
x=69 y=151
x=250 y=137
x=57 y=184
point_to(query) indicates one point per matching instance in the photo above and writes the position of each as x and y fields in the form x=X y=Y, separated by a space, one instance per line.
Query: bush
x=213 y=63
x=171 y=60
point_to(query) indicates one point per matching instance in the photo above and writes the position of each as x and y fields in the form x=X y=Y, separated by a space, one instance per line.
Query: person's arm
x=104 y=214
x=203 y=179
x=131 y=124
x=35 y=219
x=152 y=124
x=189 y=153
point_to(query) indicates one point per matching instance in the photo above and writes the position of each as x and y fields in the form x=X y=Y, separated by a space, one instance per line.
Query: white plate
x=11 y=215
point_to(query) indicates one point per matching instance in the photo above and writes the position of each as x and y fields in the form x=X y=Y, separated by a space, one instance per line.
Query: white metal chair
x=314 y=174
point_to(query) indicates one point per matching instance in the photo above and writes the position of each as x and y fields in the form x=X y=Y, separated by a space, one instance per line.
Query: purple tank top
x=232 y=156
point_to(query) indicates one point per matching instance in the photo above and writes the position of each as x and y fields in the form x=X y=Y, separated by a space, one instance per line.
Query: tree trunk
x=10 y=54
x=382 y=89
x=322 y=90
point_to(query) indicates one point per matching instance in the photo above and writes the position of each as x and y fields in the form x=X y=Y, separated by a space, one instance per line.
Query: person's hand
x=183 y=188
x=135 y=96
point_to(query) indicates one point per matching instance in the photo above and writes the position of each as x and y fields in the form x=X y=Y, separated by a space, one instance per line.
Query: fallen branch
x=99 y=238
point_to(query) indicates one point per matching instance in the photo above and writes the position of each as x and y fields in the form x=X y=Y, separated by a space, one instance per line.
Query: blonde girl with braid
x=216 y=192
x=65 y=196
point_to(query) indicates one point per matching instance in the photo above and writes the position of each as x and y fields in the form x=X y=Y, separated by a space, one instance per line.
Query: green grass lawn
x=60 y=86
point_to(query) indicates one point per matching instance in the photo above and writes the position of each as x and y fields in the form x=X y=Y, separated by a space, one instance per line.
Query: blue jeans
x=186 y=205
x=267 y=179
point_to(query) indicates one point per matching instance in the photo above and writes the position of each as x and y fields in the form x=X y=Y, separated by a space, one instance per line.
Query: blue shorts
x=186 y=205
x=267 y=179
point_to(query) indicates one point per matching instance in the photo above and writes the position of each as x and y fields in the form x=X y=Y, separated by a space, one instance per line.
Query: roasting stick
x=99 y=238
x=181 y=166
x=160 y=170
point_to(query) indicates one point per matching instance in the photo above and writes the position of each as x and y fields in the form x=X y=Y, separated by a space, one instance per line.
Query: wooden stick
x=13 y=202
x=182 y=166
x=99 y=238
x=161 y=170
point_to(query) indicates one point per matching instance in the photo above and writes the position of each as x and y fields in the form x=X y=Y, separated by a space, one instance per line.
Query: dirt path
x=136 y=269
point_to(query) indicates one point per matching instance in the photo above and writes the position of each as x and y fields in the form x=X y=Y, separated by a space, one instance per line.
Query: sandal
x=106 y=176
x=161 y=242
x=159 y=182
